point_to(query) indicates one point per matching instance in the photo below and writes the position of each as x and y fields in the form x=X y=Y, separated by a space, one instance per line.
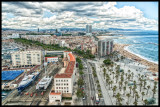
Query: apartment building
x=51 y=59
x=26 y=58
x=105 y=47
x=63 y=80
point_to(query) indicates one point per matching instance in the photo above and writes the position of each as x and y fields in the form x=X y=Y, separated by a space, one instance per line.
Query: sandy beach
x=151 y=66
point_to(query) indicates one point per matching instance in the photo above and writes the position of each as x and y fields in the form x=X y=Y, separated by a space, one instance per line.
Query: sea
x=143 y=43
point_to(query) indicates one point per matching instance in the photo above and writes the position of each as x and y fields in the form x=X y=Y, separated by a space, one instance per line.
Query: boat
x=4 y=94
x=44 y=83
x=27 y=80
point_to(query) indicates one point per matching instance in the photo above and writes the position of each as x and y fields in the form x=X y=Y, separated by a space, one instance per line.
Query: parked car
x=84 y=98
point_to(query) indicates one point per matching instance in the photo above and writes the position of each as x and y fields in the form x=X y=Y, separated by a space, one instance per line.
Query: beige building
x=26 y=58
x=63 y=80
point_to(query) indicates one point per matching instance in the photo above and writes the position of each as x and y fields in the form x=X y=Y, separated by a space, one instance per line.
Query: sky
x=101 y=15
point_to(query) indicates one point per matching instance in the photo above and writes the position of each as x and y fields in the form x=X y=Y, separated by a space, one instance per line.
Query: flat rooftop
x=11 y=75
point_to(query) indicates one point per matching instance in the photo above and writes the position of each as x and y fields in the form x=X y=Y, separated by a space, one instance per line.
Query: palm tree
x=113 y=74
x=119 y=100
x=137 y=96
x=130 y=87
x=104 y=70
x=119 y=84
x=116 y=78
x=132 y=75
x=124 y=88
x=135 y=103
x=142 y=76
x=148 y=87
x=129 y=71
x=140 y=86
x=125 y=83
x=126 y=75
x=122 y=79
x=114 y=89
x=154 y=91
x=155 y=83
x=145 y=102
x=143 y=95
x=128 y=95
x=111 y=82
x=129 y=76
x=117 y=97
x=144 y=83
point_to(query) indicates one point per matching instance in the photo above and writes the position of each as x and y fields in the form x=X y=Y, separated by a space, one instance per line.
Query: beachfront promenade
x=138 y=70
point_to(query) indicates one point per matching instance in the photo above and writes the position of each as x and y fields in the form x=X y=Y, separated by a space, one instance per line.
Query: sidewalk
x=106 y=96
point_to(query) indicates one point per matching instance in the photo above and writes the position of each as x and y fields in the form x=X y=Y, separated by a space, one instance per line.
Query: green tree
x=80 y=82
x=114 y=89
x=128 y=95
x=145 y=102
x=124 y=89
x=79 y=93
x=143 y=95
x=148 y=87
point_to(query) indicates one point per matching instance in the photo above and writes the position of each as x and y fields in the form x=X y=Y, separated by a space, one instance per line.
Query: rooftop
x=69 y=70
x=53 y=93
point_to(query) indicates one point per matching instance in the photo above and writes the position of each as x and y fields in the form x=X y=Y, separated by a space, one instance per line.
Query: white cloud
x=75 y=14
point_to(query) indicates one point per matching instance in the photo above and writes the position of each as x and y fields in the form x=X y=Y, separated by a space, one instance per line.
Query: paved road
x=87 y=101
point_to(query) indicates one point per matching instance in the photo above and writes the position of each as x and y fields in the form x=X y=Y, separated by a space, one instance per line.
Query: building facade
x=26 y=58
x=105 y=47
x=51 y=59
x=63 y=80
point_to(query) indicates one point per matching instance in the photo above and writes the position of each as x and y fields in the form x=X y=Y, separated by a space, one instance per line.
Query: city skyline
x=104 y=15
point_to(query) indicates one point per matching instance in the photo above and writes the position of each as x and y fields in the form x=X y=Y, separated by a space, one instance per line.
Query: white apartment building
x=26 y=58
x=63 y=80
x=51 y=59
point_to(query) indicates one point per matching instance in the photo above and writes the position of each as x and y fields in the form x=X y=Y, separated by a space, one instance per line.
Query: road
x=90 y=85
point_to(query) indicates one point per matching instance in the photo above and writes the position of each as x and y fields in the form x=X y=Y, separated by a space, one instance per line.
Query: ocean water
x=143 y=44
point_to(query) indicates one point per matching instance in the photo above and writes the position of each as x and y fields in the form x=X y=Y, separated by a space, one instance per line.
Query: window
x=62 y=84
x=64 y=80
x=61 y=80
x=67 y=83
x=56 y=87
x=59 y=87
x=64 y=87
x=67 y=91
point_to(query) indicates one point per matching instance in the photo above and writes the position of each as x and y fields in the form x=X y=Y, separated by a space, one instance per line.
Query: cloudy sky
x=51 y=15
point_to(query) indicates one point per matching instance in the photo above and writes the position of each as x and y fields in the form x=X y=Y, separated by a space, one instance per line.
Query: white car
x=84 y=98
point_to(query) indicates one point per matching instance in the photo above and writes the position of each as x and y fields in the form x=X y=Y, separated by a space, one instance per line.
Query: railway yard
x=31 y=96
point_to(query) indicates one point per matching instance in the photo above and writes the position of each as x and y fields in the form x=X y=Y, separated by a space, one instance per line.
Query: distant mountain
x=14 y=29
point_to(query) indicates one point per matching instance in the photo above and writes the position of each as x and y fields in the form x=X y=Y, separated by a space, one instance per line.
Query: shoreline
x=153 y=67
x=126 y=48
